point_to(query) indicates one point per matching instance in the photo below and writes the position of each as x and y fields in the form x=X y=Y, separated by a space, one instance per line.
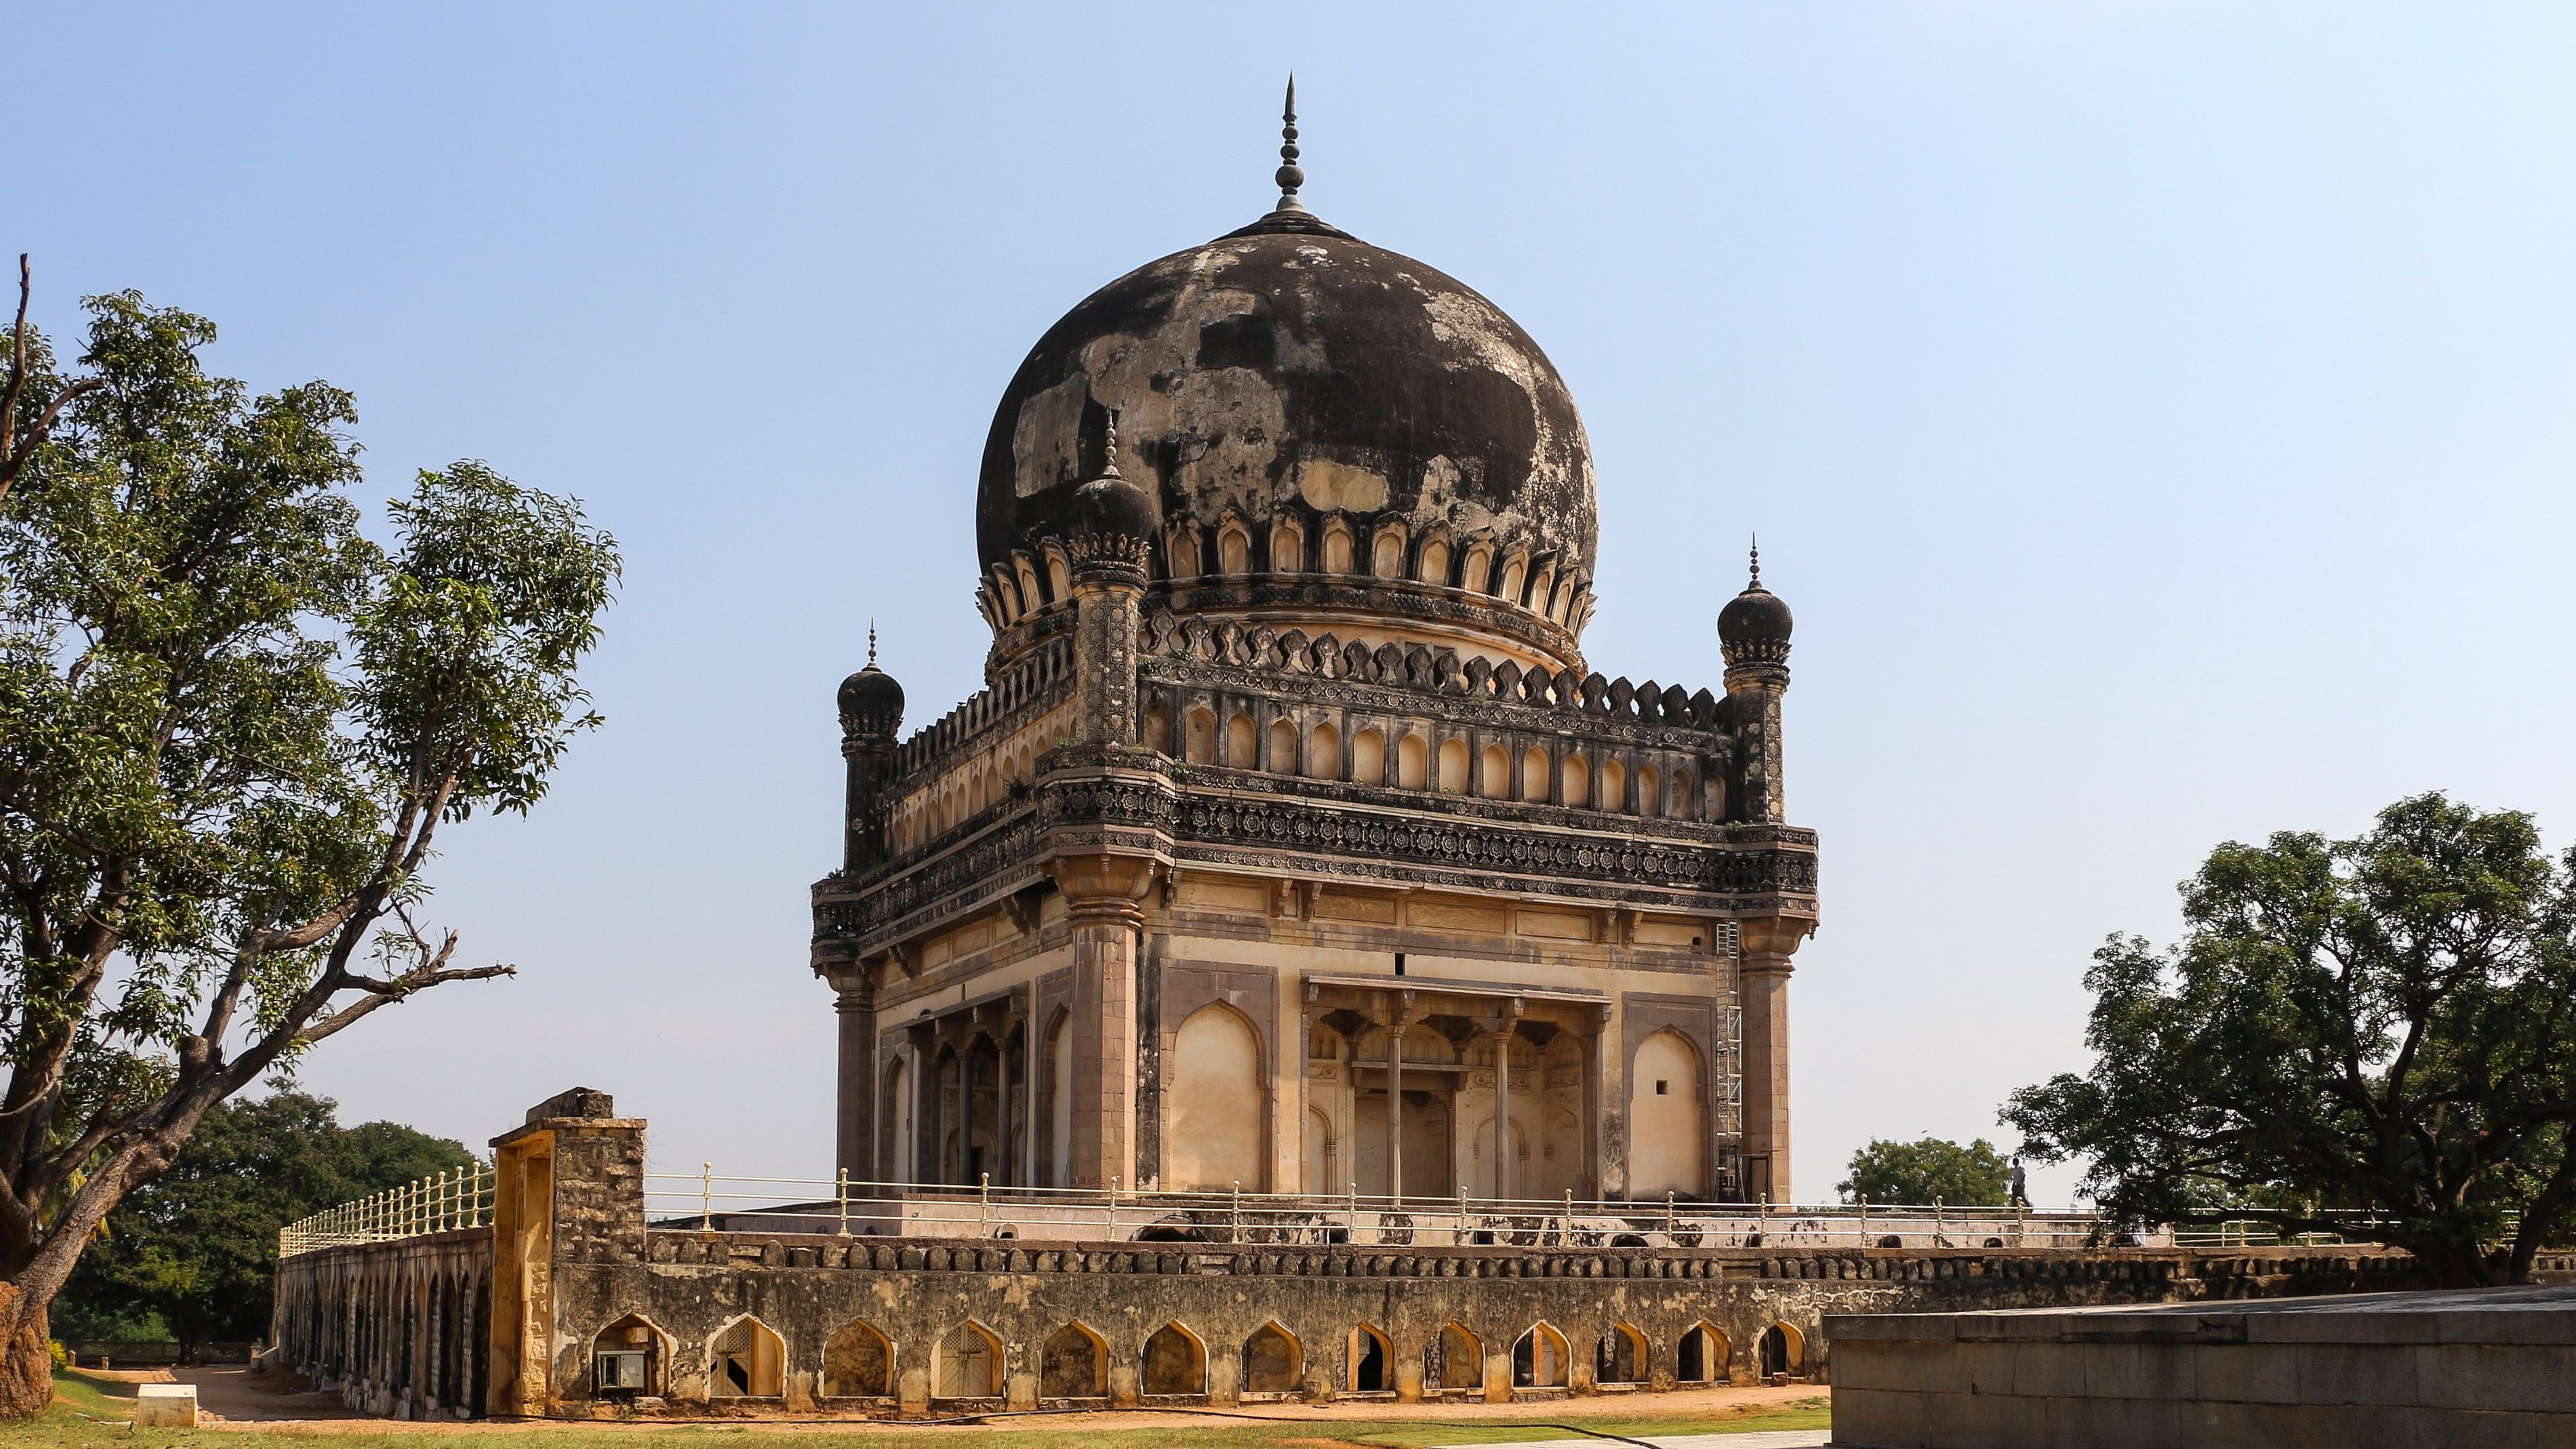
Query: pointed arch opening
x=1457 y=1360
x=1650 y=791
x=1702 y=1355
x=1274 y=1362
x=629 y=1359
x=1074 y=1364
x=1783 y=1350
x=1614 y=785
x=1622 y=1356
x=1498 y=774
x=1538 y=1359
x=1372 y=1362
x=1283 y=748
x=966 y=1363
x=1577 y=774
x=1175 y=1362
x=746 y=1360
x=858 y=1363
x=1240 y=742
x=1158 y=730
x=1534 y=775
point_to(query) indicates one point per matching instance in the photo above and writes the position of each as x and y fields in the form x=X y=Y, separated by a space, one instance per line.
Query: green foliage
x=2386 y=1023
x=1933 y=1169
x=194 y=1247
x=230 y=727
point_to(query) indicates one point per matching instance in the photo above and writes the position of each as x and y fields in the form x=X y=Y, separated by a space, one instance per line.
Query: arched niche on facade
x=1412 y=762
x=1666 y=1118
x=1074 y=1364
x=1457 y=1359
x=1323 y=753
x=1175 y=1362
x=858 y=1362
x=1274 y=1362
x=1368 y=758
x=1215 y=1103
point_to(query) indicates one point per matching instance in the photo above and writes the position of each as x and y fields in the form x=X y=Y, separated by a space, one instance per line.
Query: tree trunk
x=26 y=1358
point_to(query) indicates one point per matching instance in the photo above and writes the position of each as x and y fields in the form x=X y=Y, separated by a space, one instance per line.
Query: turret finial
x=872 y=643
x=1757 y=563
x=1289 y=177
x=1109 y=446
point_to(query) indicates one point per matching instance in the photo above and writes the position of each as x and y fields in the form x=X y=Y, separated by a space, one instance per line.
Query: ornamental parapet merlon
x=1019 y=692
x=1419 y=669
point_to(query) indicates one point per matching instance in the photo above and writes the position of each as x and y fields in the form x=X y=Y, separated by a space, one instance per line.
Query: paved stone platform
x=2366 y=1371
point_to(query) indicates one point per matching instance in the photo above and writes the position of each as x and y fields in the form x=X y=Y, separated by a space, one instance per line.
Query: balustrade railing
x=707 y=1201
x=456 y=1197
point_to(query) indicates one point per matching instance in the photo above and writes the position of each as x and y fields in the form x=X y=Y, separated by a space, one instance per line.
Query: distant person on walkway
x=2020 y=1185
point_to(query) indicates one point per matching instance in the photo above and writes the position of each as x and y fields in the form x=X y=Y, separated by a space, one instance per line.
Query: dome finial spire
x=1757 y=563
x=872 y=643
x=1109 y=445
x=1289 y=177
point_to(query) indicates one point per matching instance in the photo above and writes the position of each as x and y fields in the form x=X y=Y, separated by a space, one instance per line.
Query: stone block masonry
x=2372 y=1371
x=573 y=1307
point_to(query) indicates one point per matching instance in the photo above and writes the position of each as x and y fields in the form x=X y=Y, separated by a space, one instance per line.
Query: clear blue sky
x=2159 y=416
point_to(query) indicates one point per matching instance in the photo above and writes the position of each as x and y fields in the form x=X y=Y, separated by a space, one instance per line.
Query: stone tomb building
x=1295 y=845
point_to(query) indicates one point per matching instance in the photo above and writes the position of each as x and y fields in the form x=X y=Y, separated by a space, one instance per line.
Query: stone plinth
x=2475 y=1367
x=165 y=1406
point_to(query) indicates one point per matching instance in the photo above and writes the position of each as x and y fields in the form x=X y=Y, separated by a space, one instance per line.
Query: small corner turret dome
x=1115 y=507
x=871 y=699
x=1756 y=616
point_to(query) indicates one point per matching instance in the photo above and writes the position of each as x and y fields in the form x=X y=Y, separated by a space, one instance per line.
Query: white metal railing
x=2253 y=1233
x=456 y=1197
x=705 y=1201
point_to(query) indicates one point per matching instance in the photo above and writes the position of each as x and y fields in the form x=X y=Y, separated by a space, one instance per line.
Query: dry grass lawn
x=86 y=1406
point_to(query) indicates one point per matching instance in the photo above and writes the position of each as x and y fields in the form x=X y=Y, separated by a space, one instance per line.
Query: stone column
x=1764 y=988
x=1399 y=1018
x=855 y=1135
x=922 y=1166
x=1503 y=1160
x=1032 y=1062
x=1103 y=898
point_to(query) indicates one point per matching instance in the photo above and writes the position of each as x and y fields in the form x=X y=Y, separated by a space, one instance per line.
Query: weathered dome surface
x=1756 y=616
x=1290 y=361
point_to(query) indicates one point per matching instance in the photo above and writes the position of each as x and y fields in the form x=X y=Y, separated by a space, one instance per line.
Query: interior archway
x=1372 y=1361
x=1538 y=1359
x=1621 y=1357
x=1703 y=1353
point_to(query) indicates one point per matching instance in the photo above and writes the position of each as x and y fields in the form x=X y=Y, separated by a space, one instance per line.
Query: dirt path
x=230 y=1394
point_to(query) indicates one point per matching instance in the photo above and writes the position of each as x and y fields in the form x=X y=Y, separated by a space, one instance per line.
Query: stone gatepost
x=568 y=1189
